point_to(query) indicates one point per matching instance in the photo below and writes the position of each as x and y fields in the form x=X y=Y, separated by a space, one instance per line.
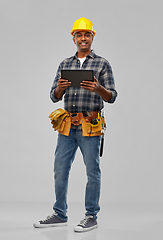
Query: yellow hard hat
x=83 y=24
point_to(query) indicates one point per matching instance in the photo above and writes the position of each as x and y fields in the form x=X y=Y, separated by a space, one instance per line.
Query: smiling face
x=83 y=41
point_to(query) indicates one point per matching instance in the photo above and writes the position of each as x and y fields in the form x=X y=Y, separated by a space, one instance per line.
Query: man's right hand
x=62 y=85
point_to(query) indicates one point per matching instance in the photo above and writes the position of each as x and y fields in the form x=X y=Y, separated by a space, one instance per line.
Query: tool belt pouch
x=88 y=130
x=61 y=121
x=64 y=129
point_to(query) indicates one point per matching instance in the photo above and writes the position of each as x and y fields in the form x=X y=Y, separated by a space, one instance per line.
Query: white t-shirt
x=81 y=61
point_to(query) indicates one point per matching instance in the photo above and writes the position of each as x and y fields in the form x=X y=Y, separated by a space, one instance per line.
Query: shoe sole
x=85 y=229
x=49 y=225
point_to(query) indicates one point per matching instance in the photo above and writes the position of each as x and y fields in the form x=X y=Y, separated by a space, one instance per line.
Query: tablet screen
x=77 y=76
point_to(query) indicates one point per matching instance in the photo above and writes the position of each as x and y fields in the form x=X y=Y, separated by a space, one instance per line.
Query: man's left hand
x=91 y=86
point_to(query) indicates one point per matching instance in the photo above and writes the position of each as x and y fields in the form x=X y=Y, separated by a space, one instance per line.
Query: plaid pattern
x=78 y=99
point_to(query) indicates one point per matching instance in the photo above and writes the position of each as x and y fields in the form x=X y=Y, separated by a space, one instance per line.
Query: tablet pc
x=77 y=76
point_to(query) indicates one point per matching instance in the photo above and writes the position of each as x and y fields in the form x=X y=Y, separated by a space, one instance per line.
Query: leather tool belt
x=85 y=119
x=93 y=123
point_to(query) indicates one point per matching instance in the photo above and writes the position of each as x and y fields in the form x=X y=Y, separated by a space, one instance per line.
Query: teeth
x=83 y=43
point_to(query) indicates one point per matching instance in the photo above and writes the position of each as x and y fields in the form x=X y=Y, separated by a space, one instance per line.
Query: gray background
x=35 y=38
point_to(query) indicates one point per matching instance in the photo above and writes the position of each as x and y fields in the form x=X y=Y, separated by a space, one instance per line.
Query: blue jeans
x=64 y=157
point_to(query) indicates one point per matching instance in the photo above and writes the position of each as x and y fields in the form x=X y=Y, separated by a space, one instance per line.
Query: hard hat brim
x=85 y=30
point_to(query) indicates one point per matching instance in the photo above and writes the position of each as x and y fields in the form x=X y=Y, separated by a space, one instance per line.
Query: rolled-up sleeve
x=114 y=95
x=54 y=86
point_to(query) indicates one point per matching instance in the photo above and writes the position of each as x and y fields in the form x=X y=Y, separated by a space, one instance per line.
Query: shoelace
x=85 y=220
x=49 y=217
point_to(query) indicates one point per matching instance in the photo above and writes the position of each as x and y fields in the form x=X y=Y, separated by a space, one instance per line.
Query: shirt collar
x=91 y=55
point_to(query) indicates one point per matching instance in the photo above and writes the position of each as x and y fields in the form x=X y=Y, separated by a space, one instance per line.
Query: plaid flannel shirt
x=79 y=99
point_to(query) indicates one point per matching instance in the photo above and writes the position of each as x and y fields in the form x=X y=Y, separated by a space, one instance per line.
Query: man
x=85 y=102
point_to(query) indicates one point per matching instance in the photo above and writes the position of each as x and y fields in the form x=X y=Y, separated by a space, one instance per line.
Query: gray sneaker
x=50 y=221
x=87 y=224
